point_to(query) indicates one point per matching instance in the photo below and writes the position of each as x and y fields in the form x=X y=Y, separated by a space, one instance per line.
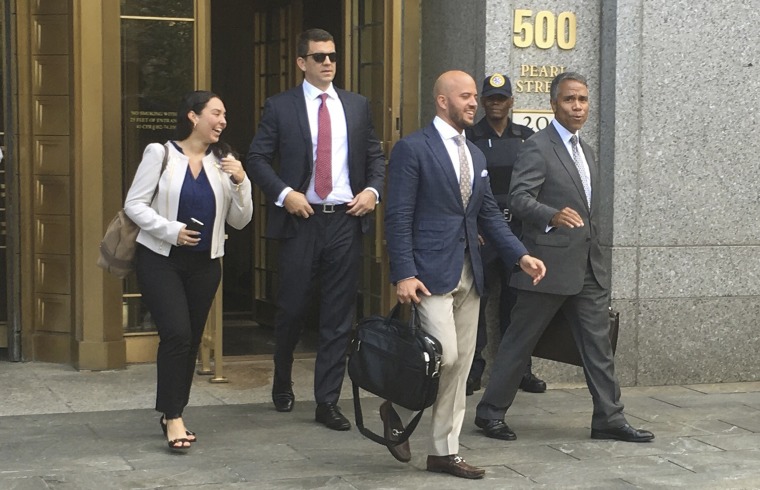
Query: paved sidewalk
x=64 y=429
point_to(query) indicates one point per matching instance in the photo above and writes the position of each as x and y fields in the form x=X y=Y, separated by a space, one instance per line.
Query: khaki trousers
x=452 y=318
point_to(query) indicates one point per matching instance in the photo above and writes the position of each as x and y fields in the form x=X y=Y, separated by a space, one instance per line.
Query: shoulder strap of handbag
x=371 y=435
x=163 y=167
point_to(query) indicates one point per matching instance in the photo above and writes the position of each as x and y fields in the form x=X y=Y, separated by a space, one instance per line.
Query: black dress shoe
x=393 y=429
x=283 y=401
x=625 y=433
x=329 y=414
x=532 y=384
x=454 y=465
x=473 y=385
x=496 y=429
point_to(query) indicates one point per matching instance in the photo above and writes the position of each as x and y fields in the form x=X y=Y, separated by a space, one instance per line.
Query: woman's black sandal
x=173 y=444
x=188 y=433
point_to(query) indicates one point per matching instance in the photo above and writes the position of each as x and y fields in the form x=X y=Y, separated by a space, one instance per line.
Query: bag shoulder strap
x=163 y=167
x=359 y=418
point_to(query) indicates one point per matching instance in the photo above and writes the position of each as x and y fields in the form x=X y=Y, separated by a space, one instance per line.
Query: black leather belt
x=328 y=208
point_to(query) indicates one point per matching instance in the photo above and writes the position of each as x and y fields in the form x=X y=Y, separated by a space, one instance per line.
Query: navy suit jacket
x=284 y=131
x=426 y=227
x=544 y=181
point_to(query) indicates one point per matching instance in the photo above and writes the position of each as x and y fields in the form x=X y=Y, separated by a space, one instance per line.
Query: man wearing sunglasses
x=330 y=174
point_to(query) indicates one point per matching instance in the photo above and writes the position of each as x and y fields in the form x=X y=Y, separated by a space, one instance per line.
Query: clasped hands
x=364 y=202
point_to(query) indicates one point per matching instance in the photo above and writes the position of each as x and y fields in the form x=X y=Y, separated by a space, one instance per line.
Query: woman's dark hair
x=196 y=101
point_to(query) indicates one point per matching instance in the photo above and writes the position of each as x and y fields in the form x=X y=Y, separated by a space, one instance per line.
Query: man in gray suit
x=554 y=191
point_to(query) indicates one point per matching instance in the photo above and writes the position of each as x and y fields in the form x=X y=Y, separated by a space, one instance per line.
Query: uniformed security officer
x=499 y=139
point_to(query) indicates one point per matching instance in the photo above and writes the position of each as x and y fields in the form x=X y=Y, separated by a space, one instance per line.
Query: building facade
x=673 y=86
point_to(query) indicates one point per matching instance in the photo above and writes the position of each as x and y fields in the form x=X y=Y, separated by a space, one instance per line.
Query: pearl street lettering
x=539 y=78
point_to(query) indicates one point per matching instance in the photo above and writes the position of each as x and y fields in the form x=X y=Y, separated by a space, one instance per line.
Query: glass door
x=275 y=32
x=383 y=38
x=157 y=68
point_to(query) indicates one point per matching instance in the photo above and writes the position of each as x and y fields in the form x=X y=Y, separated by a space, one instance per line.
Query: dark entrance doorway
x=252 y=46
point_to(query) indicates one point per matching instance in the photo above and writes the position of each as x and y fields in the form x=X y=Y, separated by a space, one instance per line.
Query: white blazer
x=158 y=223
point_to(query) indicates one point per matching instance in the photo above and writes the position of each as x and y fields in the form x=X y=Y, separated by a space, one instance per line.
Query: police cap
x=497 y=84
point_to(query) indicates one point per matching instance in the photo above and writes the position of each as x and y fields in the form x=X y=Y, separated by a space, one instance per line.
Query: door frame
x=11 y=330
x=399 y=91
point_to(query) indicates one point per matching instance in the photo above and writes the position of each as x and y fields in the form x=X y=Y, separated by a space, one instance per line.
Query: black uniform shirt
x=500 y=151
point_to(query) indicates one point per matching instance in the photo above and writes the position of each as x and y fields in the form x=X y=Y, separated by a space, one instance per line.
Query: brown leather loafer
x=393 y=430
x=454 y=465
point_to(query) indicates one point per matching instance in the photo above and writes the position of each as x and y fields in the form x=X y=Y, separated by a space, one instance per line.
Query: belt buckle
x=328 y=208
x=507 y=215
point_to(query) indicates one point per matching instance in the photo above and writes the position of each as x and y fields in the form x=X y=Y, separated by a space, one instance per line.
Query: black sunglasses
x=320 y=57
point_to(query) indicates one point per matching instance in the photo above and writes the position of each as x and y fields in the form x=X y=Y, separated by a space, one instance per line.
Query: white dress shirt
x=341 y=186
x=341 y=190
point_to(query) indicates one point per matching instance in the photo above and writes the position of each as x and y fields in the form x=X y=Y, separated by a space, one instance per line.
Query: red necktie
x=323 y=165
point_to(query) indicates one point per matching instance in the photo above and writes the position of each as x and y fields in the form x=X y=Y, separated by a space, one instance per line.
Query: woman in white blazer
x=180 y=241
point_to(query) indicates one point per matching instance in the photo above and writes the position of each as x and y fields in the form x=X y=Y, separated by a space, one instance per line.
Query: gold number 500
x=544 y=30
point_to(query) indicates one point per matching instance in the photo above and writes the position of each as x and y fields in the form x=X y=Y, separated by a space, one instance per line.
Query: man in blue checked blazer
x=438 y=197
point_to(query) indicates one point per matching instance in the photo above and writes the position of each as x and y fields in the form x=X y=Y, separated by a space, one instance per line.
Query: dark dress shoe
x=532 y=384
x=495 y=429
x=393 y=429
x=329 y=414
x=473 y=385
x=283 y=402
x=625 y=433
x=454 y=465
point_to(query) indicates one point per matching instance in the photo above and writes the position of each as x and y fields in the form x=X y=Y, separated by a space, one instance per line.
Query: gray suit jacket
x=544 y=181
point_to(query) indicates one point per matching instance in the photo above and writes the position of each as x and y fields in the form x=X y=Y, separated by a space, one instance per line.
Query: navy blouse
x=196 y=200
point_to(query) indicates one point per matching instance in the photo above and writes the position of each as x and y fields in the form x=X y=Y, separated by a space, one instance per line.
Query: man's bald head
x=449 y=80
x=456 y=101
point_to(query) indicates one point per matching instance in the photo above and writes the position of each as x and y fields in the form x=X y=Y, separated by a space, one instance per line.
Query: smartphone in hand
x=194 y=225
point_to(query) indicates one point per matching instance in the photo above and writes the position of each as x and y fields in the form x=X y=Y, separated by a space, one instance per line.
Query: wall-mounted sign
x=153 y=120
x=544 y=30
x=534 y=119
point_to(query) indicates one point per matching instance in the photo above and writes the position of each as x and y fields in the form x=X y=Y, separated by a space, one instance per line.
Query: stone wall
x=674 y=95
